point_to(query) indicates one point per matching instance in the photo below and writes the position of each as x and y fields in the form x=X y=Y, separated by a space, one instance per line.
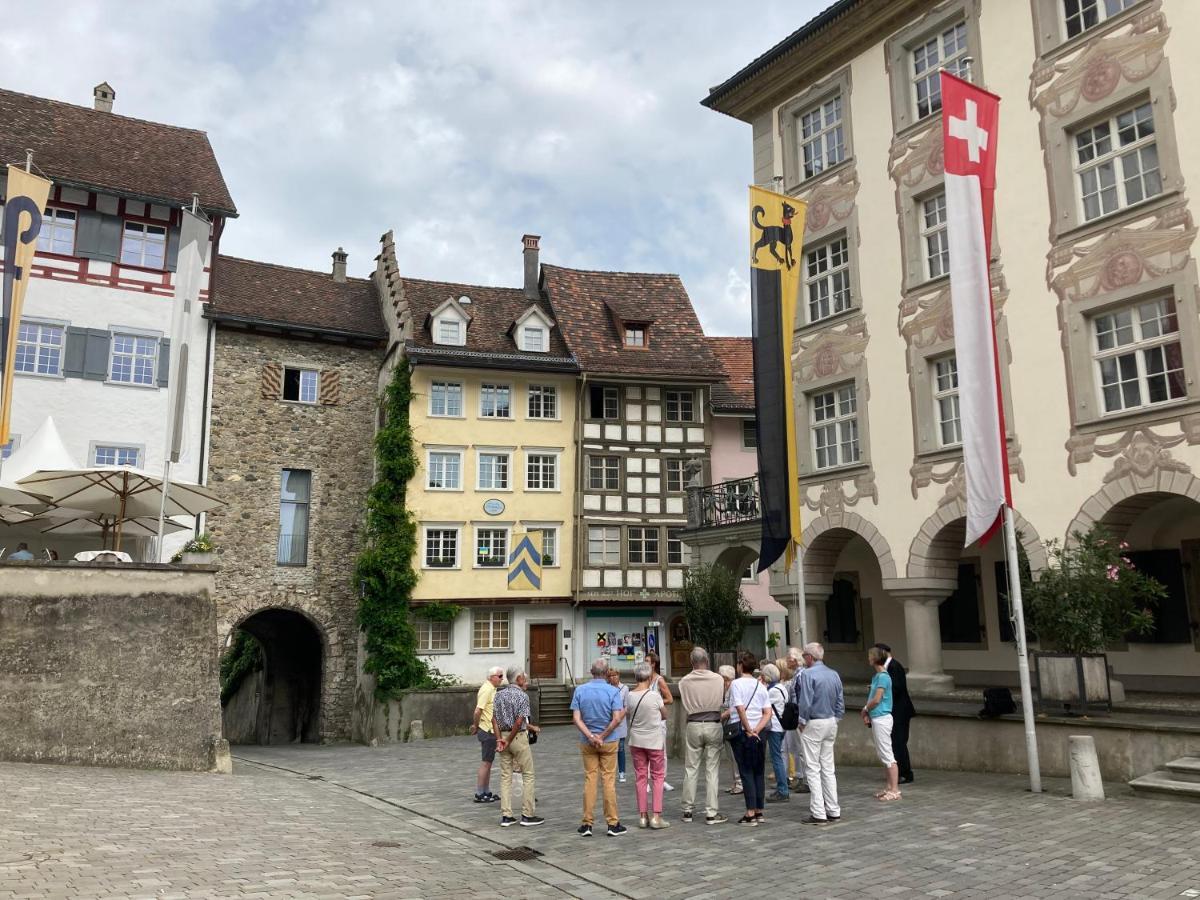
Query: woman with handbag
x=729 y=673
x=749 y=717
x=644 y=715
x=658 y=681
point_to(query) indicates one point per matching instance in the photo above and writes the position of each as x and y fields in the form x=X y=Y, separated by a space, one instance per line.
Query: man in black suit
x=902 y=713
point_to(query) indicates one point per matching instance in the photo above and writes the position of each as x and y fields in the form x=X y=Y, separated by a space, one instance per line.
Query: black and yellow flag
x=776 y=229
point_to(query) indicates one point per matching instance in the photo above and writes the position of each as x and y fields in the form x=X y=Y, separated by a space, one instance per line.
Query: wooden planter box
x=1071 y=684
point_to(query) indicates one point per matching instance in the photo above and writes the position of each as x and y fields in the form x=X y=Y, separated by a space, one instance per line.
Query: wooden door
x=681 y=647
x=543 y=651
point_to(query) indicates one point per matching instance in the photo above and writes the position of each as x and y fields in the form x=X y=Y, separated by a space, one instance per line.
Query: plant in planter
x=1088 y=598
x=198 y=551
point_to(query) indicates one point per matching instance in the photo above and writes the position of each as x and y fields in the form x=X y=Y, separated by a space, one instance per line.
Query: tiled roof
x=583 y=303
x=736 y=356
x=83 y=147
x=264 y=292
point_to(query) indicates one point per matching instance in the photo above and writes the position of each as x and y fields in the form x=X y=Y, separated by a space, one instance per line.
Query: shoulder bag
x=732 y=729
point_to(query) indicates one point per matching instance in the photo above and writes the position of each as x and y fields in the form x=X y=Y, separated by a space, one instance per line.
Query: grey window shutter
x=95 y=357
x=110 y=238
x=97 y=236
x=164 y=361
x=76 y=349
x=172 y=248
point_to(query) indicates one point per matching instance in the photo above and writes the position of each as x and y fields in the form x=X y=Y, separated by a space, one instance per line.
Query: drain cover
x=387 y=844
x=517 y=854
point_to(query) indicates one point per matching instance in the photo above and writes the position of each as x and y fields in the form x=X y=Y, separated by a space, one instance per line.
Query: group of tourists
x=786 y=711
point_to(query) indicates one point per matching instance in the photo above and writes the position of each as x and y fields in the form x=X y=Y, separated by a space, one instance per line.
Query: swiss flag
x=970 y=128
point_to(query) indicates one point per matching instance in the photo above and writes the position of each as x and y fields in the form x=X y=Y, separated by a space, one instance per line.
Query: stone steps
x=555 y=704
x=1179 y=780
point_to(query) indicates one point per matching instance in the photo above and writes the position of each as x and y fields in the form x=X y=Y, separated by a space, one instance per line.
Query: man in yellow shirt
x=481 y=727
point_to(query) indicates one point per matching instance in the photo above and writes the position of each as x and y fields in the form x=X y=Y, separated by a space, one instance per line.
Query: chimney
x=531 y=266
x=339 y=265
x=104 y=95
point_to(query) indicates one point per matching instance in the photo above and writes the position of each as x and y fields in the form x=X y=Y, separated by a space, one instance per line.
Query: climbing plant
x=243 y=657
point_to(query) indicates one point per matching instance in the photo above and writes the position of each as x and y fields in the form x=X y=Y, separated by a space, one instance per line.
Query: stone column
x=783 y=592
x=924 y=637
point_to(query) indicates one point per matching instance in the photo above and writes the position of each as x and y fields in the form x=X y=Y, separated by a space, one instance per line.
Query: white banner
x=189 y=275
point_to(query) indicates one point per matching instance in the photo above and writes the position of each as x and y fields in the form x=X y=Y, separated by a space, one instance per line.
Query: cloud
x=459 y=125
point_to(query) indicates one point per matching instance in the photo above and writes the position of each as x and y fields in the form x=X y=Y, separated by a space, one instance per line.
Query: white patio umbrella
x=43 y=450
x=52 y=522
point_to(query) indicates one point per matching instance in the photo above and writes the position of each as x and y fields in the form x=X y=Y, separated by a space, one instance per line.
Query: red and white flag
x=970 y=120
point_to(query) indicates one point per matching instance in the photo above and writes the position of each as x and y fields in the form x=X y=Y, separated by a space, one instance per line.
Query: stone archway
x=1123 y=499
x=736 y=558
x=825 y=538
x=937 y=546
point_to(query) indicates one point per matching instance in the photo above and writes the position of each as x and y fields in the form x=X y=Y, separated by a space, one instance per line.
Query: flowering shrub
x=1090 y=596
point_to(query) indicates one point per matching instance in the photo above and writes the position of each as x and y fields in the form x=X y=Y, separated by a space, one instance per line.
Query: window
x=605 y=402
x=491 y=548
x=604 y=545
x=749 y=434
x=835 y=427
x=1080 y=15
x=945 y=50
x=541 y=472
x=533 y=339
x=448 y=331
x=675 y=478
x=674 y=547
x=960 y=616
x=445 y=470
x=945 y=398
x=446 y=399
x=681 y=406
x=493 y=471
x=1114 y=177
x=432 y=637
x=144 y=245
x=295 y=488
x=39 y=349
x=643 y=546
x=604 y=473
x=821 y=142
x=115 y=455
x=933 y=234
x=58 y=232
x=441 y=548
x=495 y=401
x=300 y=385
x=635 y=335
x=549 y=546
x=134 y=359
x=827 y=279
x=1138 y=356
x=489 y=629
x=543 y=401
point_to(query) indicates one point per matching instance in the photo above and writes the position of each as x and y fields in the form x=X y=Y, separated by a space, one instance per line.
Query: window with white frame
x=448 y=330
x=549 y=546
x=432 y=636
x=441 y=548
x=300 y=385
x=834 y=424
x=495 y=401
x=133 y=359
x=58 y=232
x=948 y=50
x=116 y=455
x=1080 y=15
x=445 y=470
x=543 y=401
x=490 y=629
x=604 y=402
x=1139 y=358
x=749 y=434
x=675 y=477
x=604 y=473
x=934 y=237
x=144 y=245
x=446 y=399
x=295 y=494
x=1116 y=162
x=945 y=401
x=643 y=545
x=533 y=338
x=493 y=471
x=674 y=547
x=681 y=406
x=821 y=142
x=491 y=548
x=827 y=279
x=604 y=545
x=541 y=472
x=39 y=349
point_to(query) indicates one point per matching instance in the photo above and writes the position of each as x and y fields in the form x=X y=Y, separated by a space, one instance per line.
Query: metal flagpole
x=1018 y=611
x=801 y=599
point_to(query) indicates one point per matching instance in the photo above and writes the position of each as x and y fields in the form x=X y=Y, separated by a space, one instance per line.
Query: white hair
x=815 y=650
x=795 y=654
x=699 y=658
x=642 y=671
x=727 y=672
x=514 y=672
x=600 y=668
x=770 y=672
x=495 y=670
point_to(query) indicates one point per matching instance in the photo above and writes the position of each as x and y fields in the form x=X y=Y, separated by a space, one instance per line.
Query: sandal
x=879 y=795
x=888 y=796
x=736 y=789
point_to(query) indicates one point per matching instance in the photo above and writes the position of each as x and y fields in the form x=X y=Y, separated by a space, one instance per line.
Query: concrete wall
x=109 y=666
x=442 y=712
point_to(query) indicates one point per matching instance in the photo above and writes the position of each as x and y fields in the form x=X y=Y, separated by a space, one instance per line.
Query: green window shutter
x=95 y=357
x=75 y=352
x=164 y=362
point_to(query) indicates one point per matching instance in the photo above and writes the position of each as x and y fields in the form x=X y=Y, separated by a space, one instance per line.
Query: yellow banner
x=525 y=561
x=23 y=208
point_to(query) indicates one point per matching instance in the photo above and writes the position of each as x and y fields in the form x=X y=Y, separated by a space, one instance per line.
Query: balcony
x=724 y=504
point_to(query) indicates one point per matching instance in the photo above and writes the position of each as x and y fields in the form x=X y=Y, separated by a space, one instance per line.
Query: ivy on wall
x=243 y=657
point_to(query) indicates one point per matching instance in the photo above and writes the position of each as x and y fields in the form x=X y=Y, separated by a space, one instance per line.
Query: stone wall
x=254 y=437
x=109 y=665
x=441 y=711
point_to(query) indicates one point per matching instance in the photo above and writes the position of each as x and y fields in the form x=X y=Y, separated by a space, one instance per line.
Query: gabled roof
x=584 y=303
x=86 y=148
x=257 y=293
x=736 y=356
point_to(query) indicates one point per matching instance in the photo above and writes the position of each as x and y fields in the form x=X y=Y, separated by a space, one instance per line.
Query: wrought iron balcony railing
x=728 y=503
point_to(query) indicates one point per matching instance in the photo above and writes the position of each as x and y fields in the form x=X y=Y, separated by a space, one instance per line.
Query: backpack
x=789 y=718
x=997 y=701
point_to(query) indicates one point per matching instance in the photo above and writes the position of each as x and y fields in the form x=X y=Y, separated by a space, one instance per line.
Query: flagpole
x=1018 y=611
x=801 y=599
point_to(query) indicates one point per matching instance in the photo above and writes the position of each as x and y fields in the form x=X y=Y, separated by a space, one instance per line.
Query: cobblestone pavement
x=397 y=821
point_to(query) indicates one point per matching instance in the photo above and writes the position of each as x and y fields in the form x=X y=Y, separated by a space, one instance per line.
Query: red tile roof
x=258 y=292
x=736 y=356
x=83 y=147
x=584 y=303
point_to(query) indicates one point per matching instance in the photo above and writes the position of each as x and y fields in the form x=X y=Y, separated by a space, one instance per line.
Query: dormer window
x=635 y=334
x=530 y=331
x=449 y=331
x=533 y=339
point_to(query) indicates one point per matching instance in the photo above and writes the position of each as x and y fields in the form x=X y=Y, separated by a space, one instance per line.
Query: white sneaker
x=621 y=778
x=667 y=787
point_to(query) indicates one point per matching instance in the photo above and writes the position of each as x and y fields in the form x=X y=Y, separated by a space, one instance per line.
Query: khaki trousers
x=599 y=762
x=517 y=752
x=703 y=743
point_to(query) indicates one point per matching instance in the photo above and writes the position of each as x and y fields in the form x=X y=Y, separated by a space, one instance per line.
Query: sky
x=460 y=126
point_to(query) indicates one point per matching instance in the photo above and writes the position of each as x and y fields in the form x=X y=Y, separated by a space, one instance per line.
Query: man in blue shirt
x=22 y=552
x=818 y=693
x=598 y=711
